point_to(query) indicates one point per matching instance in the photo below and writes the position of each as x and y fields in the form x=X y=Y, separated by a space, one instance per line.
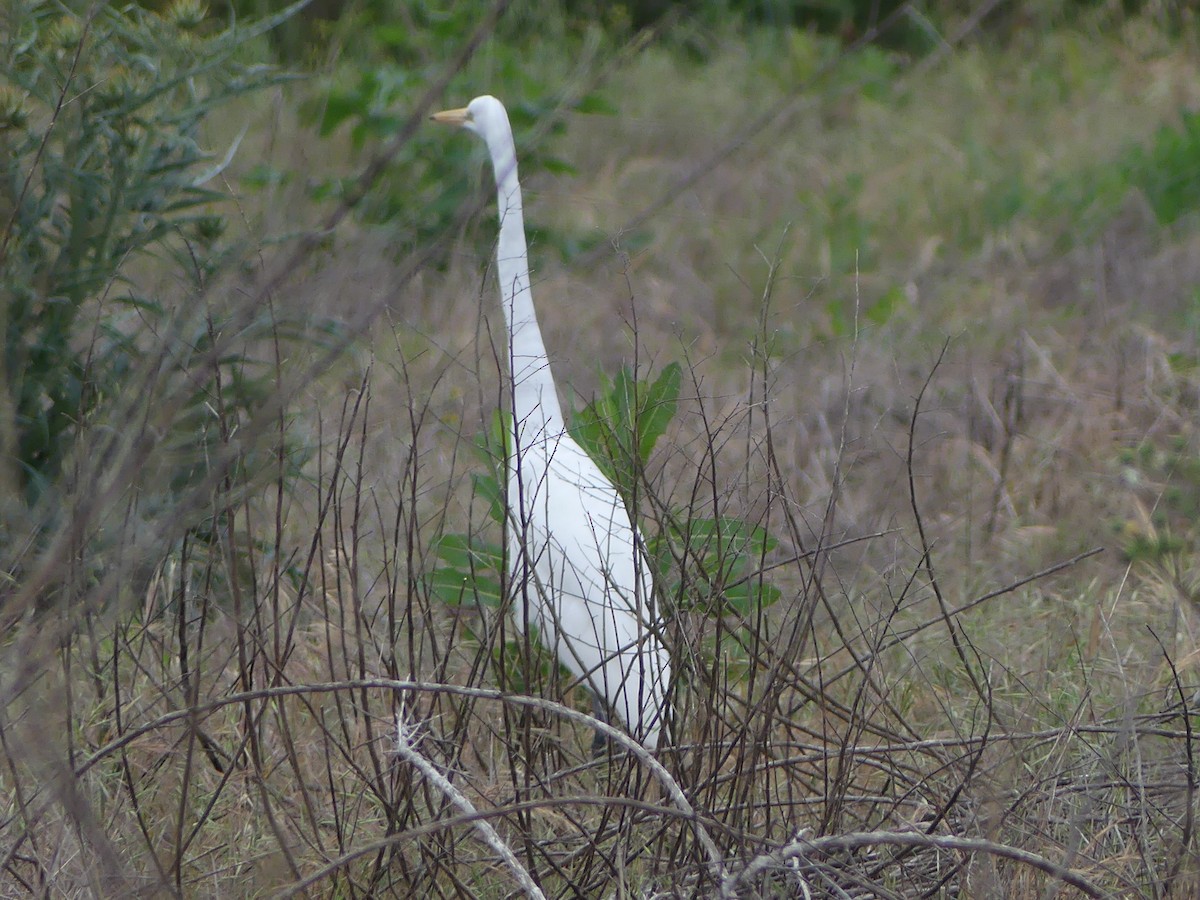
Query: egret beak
x=451 y=116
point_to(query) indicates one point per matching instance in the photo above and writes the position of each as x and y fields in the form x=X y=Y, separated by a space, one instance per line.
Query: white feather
x=579 y=570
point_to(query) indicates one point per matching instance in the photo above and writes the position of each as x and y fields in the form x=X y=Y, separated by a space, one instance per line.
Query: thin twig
x=405 y=736
x=802 y=850
x=351 y=685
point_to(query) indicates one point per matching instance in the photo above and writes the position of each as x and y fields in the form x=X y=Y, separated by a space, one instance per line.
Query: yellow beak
x=451 y=116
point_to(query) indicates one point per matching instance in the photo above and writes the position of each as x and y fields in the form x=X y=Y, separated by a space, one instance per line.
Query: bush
x=104 y=186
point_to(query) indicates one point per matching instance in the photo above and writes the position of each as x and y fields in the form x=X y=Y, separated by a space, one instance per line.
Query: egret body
x=576 y=561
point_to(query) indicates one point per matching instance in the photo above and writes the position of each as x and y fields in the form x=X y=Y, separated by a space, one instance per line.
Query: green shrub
x=390 y=60
x=104 y=189
x=1168 y=172
x=709 y=565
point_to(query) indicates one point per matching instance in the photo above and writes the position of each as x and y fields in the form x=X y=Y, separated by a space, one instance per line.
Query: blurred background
x=883 y=316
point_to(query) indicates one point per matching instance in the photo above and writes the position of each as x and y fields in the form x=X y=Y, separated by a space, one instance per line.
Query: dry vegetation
x=940 y=411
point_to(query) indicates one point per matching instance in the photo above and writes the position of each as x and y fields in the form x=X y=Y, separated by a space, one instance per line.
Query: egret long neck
x=535 y=401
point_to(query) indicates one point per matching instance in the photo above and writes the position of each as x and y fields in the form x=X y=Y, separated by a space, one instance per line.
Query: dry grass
x=923 y=714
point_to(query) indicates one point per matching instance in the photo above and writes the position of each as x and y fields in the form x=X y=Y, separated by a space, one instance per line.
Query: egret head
x=484 y=115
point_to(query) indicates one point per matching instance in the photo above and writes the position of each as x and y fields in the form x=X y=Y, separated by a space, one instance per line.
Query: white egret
x=577 y=565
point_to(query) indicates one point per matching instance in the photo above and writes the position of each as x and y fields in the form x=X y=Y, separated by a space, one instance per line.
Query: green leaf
x=487 y=487
x=725 y=554
x=607 y=426
x=594 y=104
x=837 y=319
x=339 y=106
x=557 y=166
x=727 y=535
x=662 y=401
x=750 y=596
x=495 y=444
x=457 y=588
x=880 y=312
x=459 y=551
x=392 y=35
x=467 y=571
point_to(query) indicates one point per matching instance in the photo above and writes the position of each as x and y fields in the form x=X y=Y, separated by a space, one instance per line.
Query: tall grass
x=235 y=729
x=254 y=684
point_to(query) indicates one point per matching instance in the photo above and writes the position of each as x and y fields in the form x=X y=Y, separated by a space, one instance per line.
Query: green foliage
x=1186 y=360
x=525 y=672
x=1152 y=547
x=1168 y=172
x=103 y=173
x=469 y=568
x=468 y=572
x=620 y=427
x=851 y=244
x=426 y=191
x=722 y=557
x=1164 y=478
x=844 y=19
x=840 y=318
x=390 y=60
x=408 y=28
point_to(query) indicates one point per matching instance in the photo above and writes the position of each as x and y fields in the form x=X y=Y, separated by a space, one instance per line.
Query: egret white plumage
x=576 y=560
